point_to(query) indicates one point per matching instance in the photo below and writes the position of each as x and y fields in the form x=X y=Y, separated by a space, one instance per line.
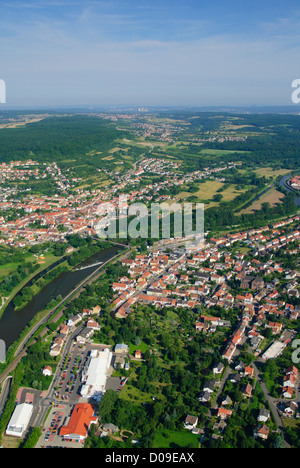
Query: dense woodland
x=275 y=139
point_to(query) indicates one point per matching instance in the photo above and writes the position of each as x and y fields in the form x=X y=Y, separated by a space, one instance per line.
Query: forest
x=272 y=139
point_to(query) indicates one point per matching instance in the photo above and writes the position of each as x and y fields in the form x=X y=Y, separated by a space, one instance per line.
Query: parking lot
x=66 y=393
x=57 y=418
x=68 y=381
x=68 y=378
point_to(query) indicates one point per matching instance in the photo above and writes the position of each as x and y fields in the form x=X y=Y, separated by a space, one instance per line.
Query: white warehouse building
x=95 y=373
x=19 y=422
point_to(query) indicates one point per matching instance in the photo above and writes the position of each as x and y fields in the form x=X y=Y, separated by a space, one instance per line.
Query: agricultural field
x=269 y=172
x=273 y=197
x=209 y=189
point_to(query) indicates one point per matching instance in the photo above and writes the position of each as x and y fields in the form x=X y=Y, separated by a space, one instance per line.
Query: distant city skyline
x=149 y=53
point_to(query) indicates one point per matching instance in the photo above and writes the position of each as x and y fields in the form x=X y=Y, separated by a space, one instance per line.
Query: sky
x=149 y=52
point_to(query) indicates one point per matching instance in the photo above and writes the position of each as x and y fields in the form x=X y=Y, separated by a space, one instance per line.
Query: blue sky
x=149 y=52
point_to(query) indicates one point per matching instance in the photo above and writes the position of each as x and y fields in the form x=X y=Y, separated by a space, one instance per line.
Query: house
x=220 y=426
x=55 y=350
x=138 y=354
x=247 y=391
x=249 y=372
x=224 y=413
x=209 y=386
x=119 y=361
x=85 y=335
x=229 y=352
x=74 y=320
x=288 y=392
x=276 y=327
x=205 y=397
x=290 y=381
x=64 y=330
x=290 y=408
x=110 y=428
x=218 y=369
x=227 y=401
x=96 y=310
x=47 y=371
x=292 y=371
x=93 y=324
x=263 y=416
x=122 y=348
x=234 y=378
x=240 y=366
x=57 y=346
x=191 y=422
x=261 y=432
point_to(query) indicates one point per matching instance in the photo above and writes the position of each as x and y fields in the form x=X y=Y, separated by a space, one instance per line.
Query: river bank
x=13 y=322
x=285 y=185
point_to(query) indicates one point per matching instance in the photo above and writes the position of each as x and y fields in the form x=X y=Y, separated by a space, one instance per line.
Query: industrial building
x=95 y=373
x=19 y=422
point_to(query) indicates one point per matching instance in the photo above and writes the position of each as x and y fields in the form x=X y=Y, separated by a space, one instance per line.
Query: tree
x=107 y=405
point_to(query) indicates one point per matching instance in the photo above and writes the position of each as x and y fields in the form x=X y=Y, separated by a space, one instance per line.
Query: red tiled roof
x=80 y=420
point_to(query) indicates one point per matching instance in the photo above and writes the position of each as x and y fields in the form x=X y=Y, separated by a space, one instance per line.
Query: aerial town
x=149 y=227
x=75 y=212
x=197 y=281
x=196 y=339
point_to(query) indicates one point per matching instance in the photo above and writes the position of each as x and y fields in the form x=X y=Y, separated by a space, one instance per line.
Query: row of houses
x=85 y=334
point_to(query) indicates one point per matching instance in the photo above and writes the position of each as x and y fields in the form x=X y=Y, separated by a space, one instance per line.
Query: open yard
x=130 y=393
x=43 y=261
x=173 y=439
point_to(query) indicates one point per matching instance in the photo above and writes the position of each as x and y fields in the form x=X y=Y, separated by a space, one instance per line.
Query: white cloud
x=51 y=59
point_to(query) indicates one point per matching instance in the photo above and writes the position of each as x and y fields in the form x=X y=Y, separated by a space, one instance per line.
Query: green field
x=173 y=439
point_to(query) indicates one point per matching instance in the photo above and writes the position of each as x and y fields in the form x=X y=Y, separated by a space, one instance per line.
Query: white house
x=47 y=371
x=74 y=320
x=191 y=422
x=264 y=415
x=218 y=369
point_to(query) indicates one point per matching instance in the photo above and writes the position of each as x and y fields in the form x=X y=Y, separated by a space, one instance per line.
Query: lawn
x=142 y=347
x=130 y=393
x=173 y=439
x=9 y=268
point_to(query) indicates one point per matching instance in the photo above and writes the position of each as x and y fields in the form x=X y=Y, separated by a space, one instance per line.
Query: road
x=46 y=402
x=22 y=349
x=4 y=394
x=271 y=402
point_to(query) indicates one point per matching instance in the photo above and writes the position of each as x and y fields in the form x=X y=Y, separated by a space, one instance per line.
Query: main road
x=271 y=402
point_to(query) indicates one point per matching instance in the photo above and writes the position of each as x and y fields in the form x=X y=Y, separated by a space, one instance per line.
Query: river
x=12 y=323
x=286 y=187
